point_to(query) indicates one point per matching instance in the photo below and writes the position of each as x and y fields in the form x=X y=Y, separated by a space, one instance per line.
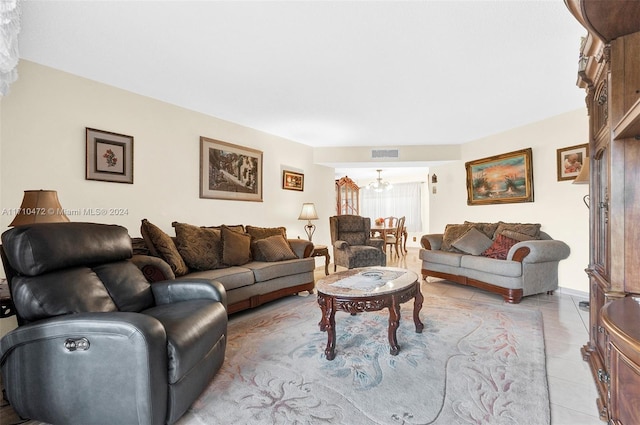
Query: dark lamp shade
x=39 y=206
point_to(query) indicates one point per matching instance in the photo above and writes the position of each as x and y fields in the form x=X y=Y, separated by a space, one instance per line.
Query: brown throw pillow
x=258 y=233
x=451 y=233
x=275 y=248
x=517 y=236
x=473 y=242
x=530 y=229
x=500 y=247
x=164 y=246
x=487 y=228
x=236 y=247
x=201 y=248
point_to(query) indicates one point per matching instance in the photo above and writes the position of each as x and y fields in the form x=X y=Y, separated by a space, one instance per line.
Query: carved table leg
x=394 y=322
x=417 y=306
x=330 y=326
x=323 y=309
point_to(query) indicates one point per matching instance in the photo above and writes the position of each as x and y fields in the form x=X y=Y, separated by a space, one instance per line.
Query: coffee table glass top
x=366 y=281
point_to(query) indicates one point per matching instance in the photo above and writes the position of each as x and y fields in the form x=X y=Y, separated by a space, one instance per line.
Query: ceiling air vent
x=385 y=153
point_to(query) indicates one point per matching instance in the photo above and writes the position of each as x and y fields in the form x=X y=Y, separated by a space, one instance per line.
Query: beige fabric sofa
x=254 y=264
x=510 y=259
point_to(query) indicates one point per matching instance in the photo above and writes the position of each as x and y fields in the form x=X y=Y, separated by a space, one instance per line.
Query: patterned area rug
x=474 y=363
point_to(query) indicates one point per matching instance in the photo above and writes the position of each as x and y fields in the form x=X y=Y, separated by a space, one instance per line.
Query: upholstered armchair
x=98 y=344
x=352 y=243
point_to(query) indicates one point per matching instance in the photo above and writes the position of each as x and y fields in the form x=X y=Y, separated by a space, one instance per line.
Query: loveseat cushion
x=193 y=328
x=452 y=232
x=492 y=265
x=531 y=229
x=162 y=245
x=487 y=228
x=275 y=248
x=200 y=247
x=264 y=271
x=230 y=277
x=473 y=242
x=441 y=257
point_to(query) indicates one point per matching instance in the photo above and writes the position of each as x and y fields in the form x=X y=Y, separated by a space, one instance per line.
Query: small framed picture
x=292 y=180
x=570 y=161
x=109 y=156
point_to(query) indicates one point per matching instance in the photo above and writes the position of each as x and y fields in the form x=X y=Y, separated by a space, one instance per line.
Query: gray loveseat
x=510 y=259
x=254 y=264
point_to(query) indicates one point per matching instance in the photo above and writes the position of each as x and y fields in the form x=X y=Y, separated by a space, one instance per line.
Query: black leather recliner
x=97 y=343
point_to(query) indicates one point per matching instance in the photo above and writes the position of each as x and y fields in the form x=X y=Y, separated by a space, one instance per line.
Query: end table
x=320 y=251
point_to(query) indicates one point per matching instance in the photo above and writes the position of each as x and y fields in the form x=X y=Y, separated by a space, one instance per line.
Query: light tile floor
x=571 y=388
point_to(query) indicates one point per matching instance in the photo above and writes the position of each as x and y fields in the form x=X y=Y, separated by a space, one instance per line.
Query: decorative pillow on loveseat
x=275 y=248
x=161 y=245
x=200 y=247
x=258 y=233
x=473 y=242
x=452 y=232
x=236 y=247
x=500 y=247
x=530 y=229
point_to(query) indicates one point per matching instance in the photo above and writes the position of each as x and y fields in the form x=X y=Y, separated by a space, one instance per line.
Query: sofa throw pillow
x=258 y=233
x=473 y=242
x=163 y=245
x=487 y=228
x=500 y=248
x=531 y=229
x=236 y=247
x=517 y=236
x=275 y=248
x=451 y=233
x=200 y=247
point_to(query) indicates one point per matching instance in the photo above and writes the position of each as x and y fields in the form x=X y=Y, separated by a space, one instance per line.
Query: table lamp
x=309 y=213
x=39 y=206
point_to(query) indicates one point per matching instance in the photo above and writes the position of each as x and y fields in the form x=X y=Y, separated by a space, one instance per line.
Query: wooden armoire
x=609 y=71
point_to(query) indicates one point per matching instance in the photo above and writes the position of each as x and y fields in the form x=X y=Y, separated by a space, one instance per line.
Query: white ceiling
x=326 y=73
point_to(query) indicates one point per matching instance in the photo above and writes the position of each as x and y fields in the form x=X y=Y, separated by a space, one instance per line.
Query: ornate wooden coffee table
x=368 y=289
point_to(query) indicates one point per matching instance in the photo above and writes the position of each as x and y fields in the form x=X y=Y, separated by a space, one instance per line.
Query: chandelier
x=379 y=185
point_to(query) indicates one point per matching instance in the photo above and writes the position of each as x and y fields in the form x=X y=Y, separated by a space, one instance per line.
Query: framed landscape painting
x=292 y=180
x=570 y=161
x=109 y=156
x=500 y=179
x=229 y=171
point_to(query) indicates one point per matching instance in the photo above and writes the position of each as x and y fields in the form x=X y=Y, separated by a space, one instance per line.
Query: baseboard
x=573 y=292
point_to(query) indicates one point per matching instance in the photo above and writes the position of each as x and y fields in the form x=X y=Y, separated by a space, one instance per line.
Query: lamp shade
x=39 y=206
x=583 y=176
x=308 y=212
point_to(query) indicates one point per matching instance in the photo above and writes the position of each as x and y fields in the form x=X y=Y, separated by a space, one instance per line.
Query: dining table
x=381 y=231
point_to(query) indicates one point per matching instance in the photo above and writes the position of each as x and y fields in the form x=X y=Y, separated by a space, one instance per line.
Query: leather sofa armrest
x=171 y=291
x=539 y=251
x=301 y=247
x=154 y=269
x=432 y=241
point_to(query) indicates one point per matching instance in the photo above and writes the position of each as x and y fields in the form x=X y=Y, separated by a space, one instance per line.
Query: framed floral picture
x=570 y=161
x=229 y=171
x=292 y=180
x=500 y=179
x=109 y=156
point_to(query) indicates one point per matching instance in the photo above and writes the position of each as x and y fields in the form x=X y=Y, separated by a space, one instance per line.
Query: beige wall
x=43 y=147
x=558 y=205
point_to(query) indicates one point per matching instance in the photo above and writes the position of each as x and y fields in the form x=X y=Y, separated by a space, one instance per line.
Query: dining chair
x=395 y=239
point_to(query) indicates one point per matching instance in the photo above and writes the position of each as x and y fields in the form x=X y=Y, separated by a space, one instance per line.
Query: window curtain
x=405 y=199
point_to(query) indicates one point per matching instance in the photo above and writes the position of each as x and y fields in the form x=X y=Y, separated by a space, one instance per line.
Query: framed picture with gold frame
x=292 y=180
x=500 y=179
x=570 y=161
